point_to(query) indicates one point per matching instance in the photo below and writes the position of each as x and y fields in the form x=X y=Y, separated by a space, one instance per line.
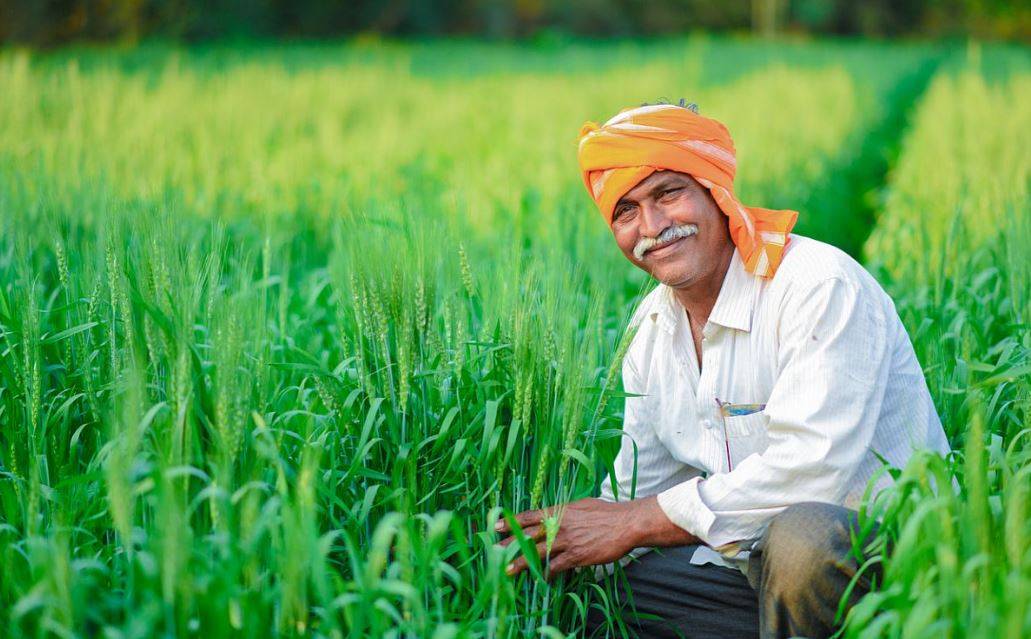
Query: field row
x=952 y=248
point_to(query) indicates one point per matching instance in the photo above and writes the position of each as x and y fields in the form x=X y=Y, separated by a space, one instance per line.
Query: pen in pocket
x=728 y=409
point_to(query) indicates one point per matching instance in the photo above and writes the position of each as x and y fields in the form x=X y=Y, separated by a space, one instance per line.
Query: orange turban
x=638 y=141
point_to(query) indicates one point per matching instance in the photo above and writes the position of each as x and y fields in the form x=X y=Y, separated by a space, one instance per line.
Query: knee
x=805 y=541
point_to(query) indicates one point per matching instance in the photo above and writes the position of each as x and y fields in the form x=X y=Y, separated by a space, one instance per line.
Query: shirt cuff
x=684 y=507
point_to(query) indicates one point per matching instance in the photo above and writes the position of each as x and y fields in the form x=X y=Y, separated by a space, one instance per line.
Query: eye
x=621 y=212
x=669 y=192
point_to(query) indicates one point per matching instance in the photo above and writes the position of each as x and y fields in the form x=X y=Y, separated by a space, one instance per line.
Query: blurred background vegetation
x=54 y=22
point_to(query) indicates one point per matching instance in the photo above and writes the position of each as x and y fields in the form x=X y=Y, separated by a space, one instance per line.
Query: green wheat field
x=285 y=327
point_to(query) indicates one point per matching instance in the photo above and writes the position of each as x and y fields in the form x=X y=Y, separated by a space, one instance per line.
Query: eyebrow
x=659 y=186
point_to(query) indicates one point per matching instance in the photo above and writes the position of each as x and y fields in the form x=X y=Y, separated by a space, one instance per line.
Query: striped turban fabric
x=638 y=141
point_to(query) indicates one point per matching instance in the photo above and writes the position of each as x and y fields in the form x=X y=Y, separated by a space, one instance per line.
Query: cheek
x=715 y=220
x=694 y=207
x=625 y=239
x=722 y=226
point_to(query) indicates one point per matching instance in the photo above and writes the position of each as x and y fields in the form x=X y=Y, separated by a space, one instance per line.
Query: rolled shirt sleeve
x=833 y=366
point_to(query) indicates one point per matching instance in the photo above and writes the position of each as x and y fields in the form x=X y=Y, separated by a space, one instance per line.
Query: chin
x=674 y=278
x=675 y=272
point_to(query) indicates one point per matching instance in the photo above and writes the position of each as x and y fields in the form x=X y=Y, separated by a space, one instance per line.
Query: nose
x=653 y=220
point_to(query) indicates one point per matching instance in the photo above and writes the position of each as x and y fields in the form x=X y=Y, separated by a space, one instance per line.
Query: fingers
x=535 y=533
x=524 y=519
x=519 y=563
x=559 y=564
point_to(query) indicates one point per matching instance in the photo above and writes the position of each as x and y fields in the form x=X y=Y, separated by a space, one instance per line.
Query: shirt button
x=707 y=423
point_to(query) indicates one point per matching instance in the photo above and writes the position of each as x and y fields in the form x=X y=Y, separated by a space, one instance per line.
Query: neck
x=699 y=296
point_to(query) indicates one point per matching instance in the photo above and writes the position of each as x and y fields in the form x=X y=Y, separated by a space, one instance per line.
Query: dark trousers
x=797 y=574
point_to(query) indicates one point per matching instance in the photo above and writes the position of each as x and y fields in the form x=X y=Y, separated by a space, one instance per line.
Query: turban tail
x=636 y=142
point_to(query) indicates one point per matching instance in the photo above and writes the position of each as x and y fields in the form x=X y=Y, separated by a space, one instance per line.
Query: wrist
x=631 y=531
x=649 y=526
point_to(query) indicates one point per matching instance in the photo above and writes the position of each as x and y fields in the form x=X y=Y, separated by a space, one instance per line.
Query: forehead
x=658 y=178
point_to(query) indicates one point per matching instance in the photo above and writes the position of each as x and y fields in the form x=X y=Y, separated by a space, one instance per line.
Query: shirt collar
x=734 y=304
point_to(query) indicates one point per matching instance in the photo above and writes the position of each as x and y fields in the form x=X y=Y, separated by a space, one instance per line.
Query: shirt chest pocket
x=745 y=435
x=750 y=425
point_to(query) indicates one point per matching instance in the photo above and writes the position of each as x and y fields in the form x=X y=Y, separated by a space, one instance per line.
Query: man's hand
x=594 y=531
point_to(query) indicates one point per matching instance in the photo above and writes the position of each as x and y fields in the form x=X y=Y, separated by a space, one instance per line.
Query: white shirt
x=822 y=346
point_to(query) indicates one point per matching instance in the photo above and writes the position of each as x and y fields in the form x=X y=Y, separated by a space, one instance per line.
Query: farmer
x=770 y=375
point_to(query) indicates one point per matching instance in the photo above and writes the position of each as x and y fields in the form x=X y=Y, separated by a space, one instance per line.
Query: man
x=770 y=374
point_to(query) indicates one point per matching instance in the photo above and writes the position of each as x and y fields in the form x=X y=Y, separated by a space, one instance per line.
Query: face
x=694 y=239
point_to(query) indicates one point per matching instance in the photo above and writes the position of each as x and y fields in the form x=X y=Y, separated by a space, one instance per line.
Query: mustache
x=668 y=235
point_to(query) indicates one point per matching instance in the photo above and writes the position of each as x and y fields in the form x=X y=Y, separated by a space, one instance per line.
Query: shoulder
x=808 y=261
x=810 y=264
x=649 y=307
x=815 y=274
x=643 y=327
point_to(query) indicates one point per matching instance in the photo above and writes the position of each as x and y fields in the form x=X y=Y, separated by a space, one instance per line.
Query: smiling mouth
x=662 y=249
x=667 y=238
